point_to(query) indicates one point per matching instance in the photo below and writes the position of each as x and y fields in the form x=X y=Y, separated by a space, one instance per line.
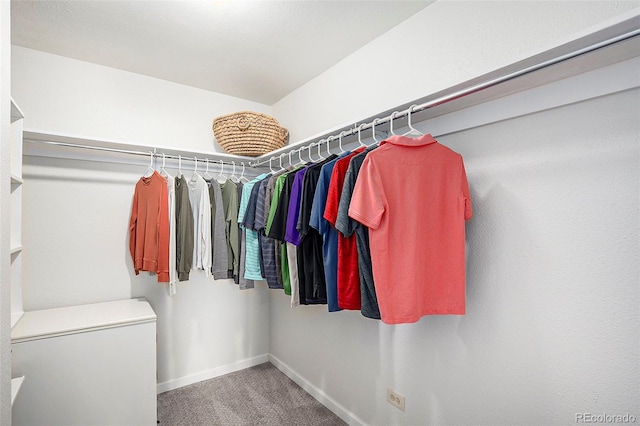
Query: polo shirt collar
x=407 y=141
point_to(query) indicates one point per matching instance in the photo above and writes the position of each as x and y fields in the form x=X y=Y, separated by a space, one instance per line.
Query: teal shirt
x=252 y=258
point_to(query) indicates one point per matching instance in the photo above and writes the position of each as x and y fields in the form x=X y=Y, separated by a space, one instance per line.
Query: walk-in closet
x=440 y=227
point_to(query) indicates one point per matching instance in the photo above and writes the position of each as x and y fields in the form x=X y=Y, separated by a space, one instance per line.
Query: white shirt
x=173 y=273
x=201 y=207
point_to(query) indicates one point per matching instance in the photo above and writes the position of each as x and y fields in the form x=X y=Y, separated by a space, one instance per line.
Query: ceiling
x=255 y=50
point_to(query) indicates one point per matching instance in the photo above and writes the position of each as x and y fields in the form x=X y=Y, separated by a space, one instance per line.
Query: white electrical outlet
x=395 y=399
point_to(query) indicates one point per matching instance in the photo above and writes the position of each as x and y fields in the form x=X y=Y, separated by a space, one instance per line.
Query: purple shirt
x=292 y=235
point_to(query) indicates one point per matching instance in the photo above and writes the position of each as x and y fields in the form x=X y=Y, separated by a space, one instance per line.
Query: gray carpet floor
x=260 y=395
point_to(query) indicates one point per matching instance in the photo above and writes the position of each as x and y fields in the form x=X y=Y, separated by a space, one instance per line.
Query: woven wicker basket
x=249 y=133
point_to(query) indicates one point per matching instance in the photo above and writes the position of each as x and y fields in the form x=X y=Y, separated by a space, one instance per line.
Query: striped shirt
x=266 y=244
x=252 y=262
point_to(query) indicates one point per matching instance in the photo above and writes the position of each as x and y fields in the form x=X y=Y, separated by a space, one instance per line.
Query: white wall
x=552 y=323
x=75 y=218
x=447 y=43
x=64 y=95
x=76 y=213
x=552 y=326
x=5 y=277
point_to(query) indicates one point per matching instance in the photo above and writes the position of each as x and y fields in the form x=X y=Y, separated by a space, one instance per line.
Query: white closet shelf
x=53 y=322
x=41 y=143
x=15 y=387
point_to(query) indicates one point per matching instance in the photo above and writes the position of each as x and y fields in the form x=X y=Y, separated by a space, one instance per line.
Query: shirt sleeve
x=246 y=192
x=333 y=197
x=344 y=223
x=133 y=221
x=368 y=202
x=250 y=212
x=317 y=207
x=278 y=226
x=291 y=232
x=258 y=223
x=306 y=202
x=275 y=199
x=466 y=195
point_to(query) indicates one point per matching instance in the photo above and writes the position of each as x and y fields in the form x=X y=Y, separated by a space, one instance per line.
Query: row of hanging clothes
x=181 y=224
x=379 y=229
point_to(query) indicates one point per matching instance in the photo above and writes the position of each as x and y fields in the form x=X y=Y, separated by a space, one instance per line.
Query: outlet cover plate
x=395 y=399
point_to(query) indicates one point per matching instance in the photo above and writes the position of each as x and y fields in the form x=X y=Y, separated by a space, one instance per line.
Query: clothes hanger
x=342 y=151
x=362 y=144
x=329 y=139
x=391 y=118
x=311 y=146
x=195 y=175
x=308 y=148
x=150 y=170
x=233 y=171
x=270 y=167
x=221 y=178
x=373 y=131
x=319 y=152
x=243 y=178
x=179 y=166
x=300 y=162
x=233 y=177
x=207 y=175
x=164 y=171
x=280 y=158
x=311 y=160
x=413 y=132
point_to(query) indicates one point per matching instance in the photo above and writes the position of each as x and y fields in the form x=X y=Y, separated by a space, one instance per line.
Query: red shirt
x=149 y=227
x=413 y=196
x=348 y=275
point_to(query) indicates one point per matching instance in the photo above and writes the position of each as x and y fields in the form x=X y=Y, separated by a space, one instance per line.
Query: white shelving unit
x=108 y=348
x=16 y=212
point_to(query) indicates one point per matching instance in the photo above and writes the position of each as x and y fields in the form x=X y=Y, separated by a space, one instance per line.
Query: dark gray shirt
x=220 y=255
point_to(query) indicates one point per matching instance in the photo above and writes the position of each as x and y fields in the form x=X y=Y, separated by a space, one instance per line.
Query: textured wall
x=551 y=328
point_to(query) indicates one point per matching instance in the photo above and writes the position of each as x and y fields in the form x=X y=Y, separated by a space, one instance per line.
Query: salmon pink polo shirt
x=413 y=195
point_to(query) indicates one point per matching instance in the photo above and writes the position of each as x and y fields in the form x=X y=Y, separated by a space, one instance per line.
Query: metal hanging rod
x=155 y=153
x=356 y=128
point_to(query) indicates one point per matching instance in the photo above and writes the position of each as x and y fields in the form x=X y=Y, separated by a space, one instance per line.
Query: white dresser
x=86 y=365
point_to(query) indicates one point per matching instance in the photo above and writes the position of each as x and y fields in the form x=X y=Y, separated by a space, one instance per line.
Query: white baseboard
x=339 y=410
x=210 y=374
